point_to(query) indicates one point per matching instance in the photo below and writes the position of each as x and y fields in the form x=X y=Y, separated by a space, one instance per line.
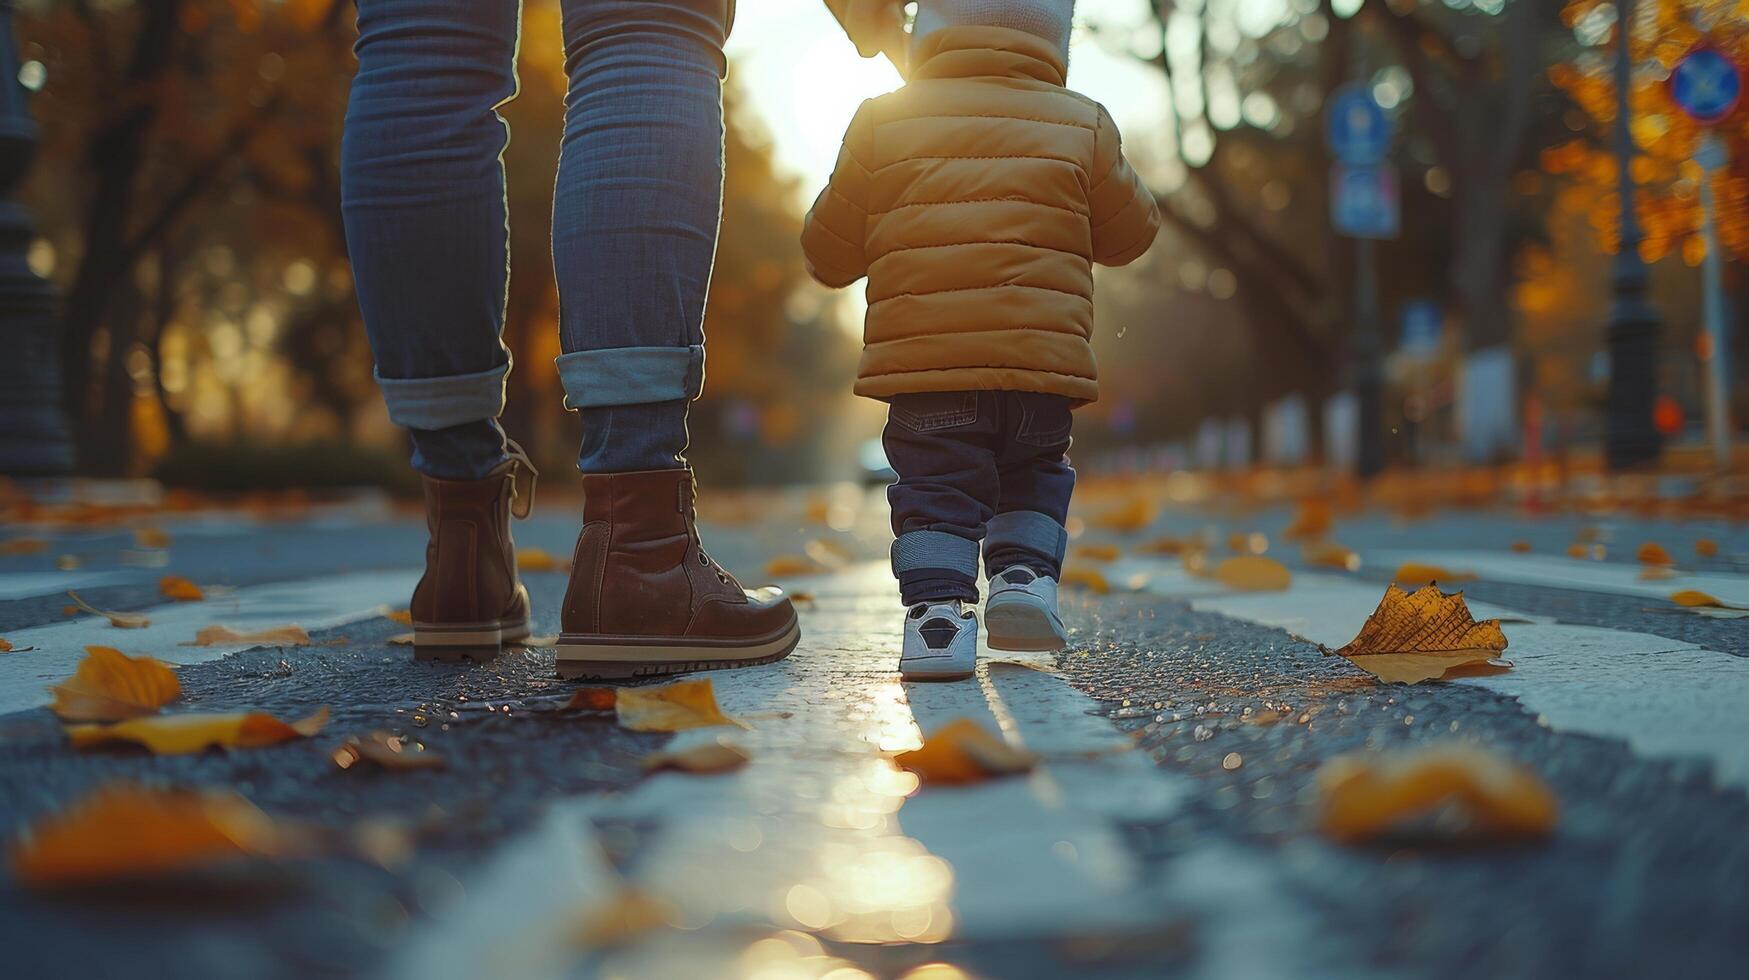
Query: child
x=976 y=199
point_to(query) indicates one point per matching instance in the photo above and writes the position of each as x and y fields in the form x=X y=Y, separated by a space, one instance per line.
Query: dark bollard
x=33 y=431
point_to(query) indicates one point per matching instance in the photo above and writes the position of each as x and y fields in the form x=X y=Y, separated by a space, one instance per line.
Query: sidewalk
x=1168 y=829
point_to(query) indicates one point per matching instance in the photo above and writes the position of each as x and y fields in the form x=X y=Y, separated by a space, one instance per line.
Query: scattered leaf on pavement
x=1413 y=637
x=625 y=915
x=963 y=751
x=538 y=560
x=151 y=537
x=1134 y=515
x=786 y=565
x=1706 y=548
x=275 y=636
x=124 y=831
x=670 y=707
x=1576 y=551
x=1329 y=554
x=386 y=751
x=1696 y=599
x=1091 y=579
x=402 y=616
x=23 y=546
x=802 y=595
x=1253 y=573
x=195 y=732
x=109 y=685
x=1311 y=520
x=5 y=647
x=1414 y=573
x=1653 y=553
x=180 y=589
x=1098 y=552
x=1369 y=797
x=120 y=620
x=1521 y=547
x=700 y=759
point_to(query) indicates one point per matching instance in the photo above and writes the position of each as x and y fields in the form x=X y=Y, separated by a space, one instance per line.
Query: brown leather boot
x=469 y=600
x=645 y=599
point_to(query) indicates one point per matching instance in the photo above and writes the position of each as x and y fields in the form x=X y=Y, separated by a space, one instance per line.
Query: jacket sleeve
x=1125 y=215
x=834 y=231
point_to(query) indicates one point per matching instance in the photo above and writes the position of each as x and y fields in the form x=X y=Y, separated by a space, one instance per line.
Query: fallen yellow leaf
x=109 y=685
x=704 y=758
x=593 y=699
x=1253 y=573
x=1098 y=552
x=151 y=537
x=180 y=589
x=23 y=546
x=538 y=560
x=120 y=620
x=1706 y=548
x=671 y=707
x=1576 y=551
x=1694 y=598
x=386 y=751
x=275 y=636
x=1134 y=515
x=1090 y=579
x=402 y=616
x=1521 y=547
x=1414 y=573
x=1415 y=637
x=785 y=565
x=1311 y=520
x=195 y=732
x=1329 y=554
x=1166 y=546
x=126 y=831
x=963 y=751
x=1653 y=553
x=1369 y=797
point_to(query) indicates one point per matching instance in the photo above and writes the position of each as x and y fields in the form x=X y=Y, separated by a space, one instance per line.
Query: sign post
x=1365 y=206
x=1708 y=86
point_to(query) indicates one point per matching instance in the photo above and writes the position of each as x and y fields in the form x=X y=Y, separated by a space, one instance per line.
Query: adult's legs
x=635 y=218
x=1037 y=483
x=422 y=192
x=942 y=445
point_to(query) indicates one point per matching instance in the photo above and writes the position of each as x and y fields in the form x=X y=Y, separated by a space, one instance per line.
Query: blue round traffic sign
x=1357 y=130
x=1706 y=84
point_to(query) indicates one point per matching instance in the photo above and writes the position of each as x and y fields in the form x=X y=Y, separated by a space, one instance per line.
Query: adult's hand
x=874 y=26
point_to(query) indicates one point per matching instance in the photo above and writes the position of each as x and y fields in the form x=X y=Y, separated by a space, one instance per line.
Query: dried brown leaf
x=1706 y=548
x=1369 y=797
x=1412 y=637
x=120 y=620
x=1653 y=553
x=670 y=707
x=1413 y=574
x=702 y=759
x=1253 y=573
x=538 y=560
x=275 y=636
x=1091 y=579
x=109 y=685
x=180 y=589
x=963 y=751
x=196 y=732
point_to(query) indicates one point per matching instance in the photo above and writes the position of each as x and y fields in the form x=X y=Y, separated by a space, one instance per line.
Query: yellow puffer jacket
x=976 y=199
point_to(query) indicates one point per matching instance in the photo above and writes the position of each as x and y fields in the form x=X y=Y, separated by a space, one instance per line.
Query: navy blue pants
x=976 y=466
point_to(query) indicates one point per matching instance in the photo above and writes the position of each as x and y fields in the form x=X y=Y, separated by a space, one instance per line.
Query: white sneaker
x=1021 y=612
x=941 y=642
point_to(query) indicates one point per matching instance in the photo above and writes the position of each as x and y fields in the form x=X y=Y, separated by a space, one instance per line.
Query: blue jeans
x=973 y=466
x=635 y=214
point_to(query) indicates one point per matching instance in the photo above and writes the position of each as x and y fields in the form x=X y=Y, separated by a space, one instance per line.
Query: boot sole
x=584 y=656
x=1022 y=623
x=470 y=641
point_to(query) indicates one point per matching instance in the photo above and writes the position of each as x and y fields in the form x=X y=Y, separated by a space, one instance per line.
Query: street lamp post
x=1630 y=438
x=33 y=432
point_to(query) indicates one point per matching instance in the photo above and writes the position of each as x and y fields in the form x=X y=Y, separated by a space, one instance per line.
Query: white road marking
x=317 y=603
x=1663 y=697
x=821 y=833
x=1568 y=573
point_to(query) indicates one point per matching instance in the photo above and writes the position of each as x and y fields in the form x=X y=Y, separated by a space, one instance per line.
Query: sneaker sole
x=469 y=641
x=1021 y=622
x=921 y=672
x=595 y=657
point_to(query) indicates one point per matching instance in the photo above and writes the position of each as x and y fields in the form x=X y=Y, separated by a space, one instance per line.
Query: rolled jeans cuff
x=916 y=551
x=442 y=403
x=631 y=375
x=1027 y=530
